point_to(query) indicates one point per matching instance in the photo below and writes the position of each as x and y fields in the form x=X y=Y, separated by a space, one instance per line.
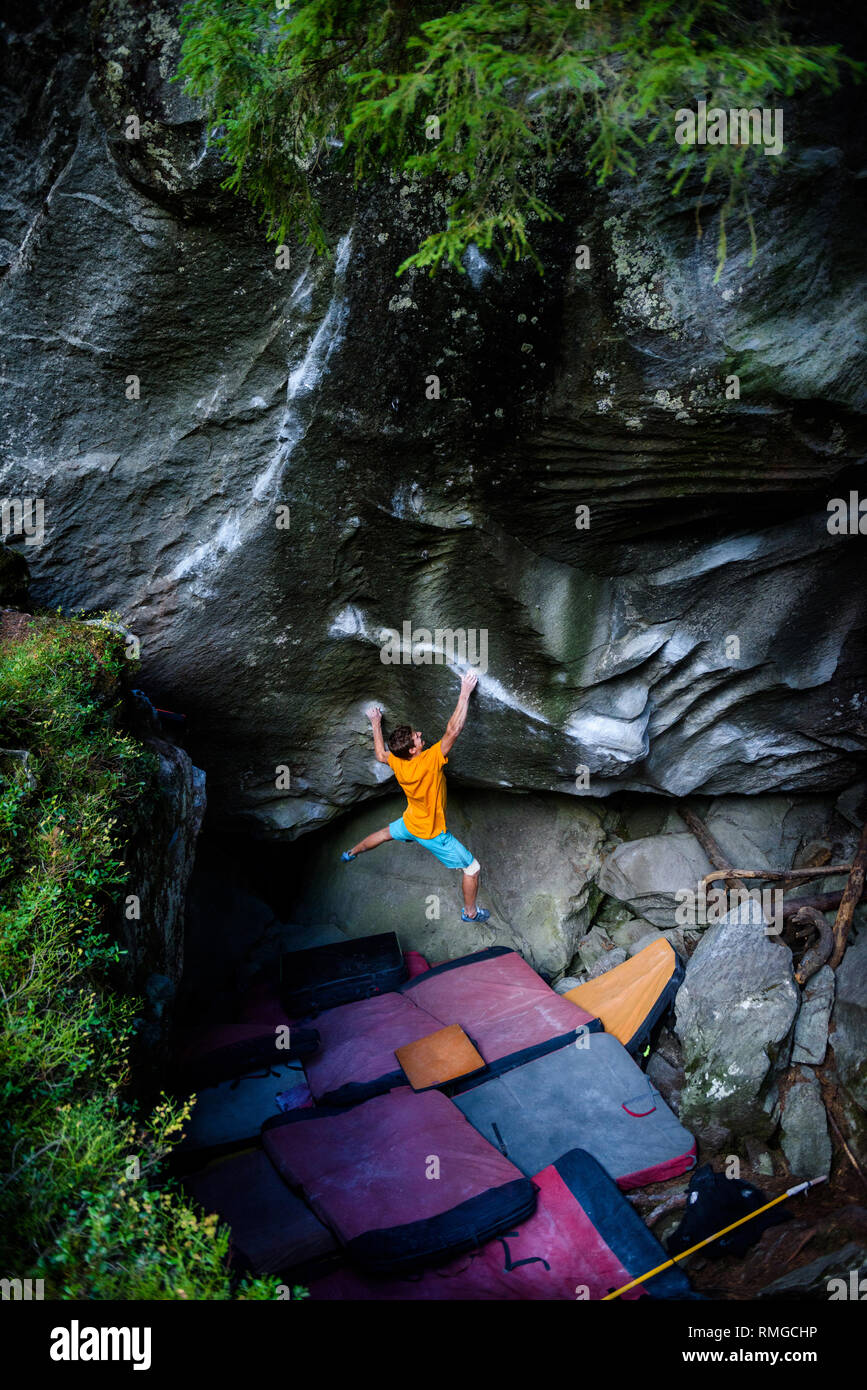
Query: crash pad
x=339 y=972
x=508 y=1010
x=232 y=1113
x=590 y=1096
x=273 y=1230
x=509 y=1013
x=583 y=1241
x=438 y=1058
x=403 y=1180
x=356 y=1056
x=221 y=1051
x=631 y=998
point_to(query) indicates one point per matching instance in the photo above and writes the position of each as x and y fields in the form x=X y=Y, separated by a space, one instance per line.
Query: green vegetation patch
x=81 y=1204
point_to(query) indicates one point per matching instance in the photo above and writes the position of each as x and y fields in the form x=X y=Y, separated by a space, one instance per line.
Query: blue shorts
x=445 y=847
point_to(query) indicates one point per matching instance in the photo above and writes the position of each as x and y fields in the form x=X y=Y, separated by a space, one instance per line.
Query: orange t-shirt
x=423 y=781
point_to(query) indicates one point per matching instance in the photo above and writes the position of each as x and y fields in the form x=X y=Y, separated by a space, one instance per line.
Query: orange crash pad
x=440 y=1057
x=632 y=997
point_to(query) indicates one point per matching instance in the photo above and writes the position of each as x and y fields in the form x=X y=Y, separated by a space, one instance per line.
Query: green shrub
x=81 y=1202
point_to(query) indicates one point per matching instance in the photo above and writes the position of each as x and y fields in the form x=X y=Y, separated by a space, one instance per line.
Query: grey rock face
x=172 y=389
x=811 y=1029
x=734 y=1016
x=849 y=1021
x=760 y=1158
x=537 y=855
x=14 y=577
x=606 y=963
x=568 y=982
x=596 y=948
x=160 y=860
x=804 y=1135
x=667 y=1079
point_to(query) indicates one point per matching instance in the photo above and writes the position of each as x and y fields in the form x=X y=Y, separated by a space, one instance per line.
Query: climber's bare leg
x=378 y=837
x=470 y=886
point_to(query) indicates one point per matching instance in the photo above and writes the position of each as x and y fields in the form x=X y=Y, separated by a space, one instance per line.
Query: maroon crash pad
x=499 y=1001
x=357 y=1043
x=404 y=1181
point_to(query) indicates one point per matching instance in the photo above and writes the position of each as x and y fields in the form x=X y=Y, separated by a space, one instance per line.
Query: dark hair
x=400 y=741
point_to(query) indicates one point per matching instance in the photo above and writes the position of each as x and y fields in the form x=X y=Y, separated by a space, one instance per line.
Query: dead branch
x=851 y=896
x=814 y=958
x=672 y=1203
x=775 y=875
x=713 y=851
x=822 y=902
x=829 y=1094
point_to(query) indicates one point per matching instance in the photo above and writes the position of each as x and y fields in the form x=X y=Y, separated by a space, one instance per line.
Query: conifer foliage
x=483 y=97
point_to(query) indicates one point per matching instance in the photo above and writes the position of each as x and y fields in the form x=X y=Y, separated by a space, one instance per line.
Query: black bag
x=714 y=1202
x=324 y=976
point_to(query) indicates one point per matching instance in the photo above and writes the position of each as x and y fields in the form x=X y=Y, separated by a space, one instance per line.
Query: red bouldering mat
x=583 y=1241
x=217 y=1052
x=506 y=1010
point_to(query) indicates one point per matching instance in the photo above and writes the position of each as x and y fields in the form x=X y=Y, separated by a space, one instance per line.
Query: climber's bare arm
x=459 y=718
x=374 y=714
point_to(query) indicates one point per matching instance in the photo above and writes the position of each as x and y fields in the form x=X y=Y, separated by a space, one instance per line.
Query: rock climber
x=419 y=771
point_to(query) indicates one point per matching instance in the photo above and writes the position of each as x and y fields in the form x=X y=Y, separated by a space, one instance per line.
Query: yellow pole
x=792 y=1192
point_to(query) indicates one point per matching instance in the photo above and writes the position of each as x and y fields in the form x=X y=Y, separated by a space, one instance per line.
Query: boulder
x=734 y=1017
x=761 y=1160
x=633 y=935
x=568 y=982
x=667 y=1079
x=596 y=947
x=804 y=1139
x=159 y=858
x=848 y=1035
x=648 y=873
x=811 y=1028
x=683 y=940
x=537 y=855
x=606 y=962
x=765 y=832
x=815 y=1280
x=852 y=804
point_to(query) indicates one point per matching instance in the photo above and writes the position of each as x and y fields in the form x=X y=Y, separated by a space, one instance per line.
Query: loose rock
x=734 y=1012
x=805 y=1140
x=811 y=1028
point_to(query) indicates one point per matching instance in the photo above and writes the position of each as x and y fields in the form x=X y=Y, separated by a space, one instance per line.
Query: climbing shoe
x=347 y=856
x=482 y=915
